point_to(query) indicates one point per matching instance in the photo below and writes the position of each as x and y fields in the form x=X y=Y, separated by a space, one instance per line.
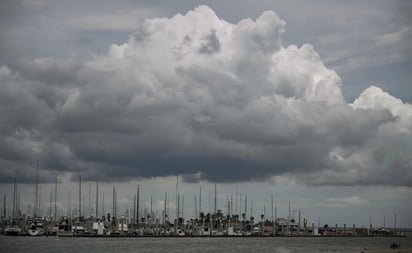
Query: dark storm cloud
x=197 y=96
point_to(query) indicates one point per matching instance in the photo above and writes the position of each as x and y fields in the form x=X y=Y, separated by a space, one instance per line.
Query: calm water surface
x=281 y=245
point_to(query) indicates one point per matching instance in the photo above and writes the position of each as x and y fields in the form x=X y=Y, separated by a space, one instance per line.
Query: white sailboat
x=36 y=227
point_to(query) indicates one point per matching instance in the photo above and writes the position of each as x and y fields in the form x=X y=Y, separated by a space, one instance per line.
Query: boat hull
x=12 y=231
x=36 y=232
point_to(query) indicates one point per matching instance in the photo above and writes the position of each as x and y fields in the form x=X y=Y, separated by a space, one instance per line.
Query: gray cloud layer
x=196 y=95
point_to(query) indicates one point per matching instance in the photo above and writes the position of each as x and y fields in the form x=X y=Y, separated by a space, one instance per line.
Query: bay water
x=189 y=244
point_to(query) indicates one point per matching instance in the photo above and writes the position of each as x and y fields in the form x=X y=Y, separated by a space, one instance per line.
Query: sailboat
x=13 y=228
x=36 y=227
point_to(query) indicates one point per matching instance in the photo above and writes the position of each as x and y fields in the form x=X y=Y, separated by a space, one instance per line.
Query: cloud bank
x=197 y=96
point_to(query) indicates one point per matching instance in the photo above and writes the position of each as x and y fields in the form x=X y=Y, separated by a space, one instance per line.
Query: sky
x=308 y=101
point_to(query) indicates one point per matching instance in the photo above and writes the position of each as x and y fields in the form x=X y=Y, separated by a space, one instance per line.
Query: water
x=154 y=245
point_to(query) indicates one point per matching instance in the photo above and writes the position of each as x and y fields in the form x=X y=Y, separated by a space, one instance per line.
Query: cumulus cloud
x=197 y=96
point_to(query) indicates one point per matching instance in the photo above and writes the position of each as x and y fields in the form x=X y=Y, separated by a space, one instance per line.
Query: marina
x=216 y=226
x=145 y=221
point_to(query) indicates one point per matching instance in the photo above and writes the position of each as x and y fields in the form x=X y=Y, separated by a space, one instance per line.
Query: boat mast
x=164 y=211
x=200 y=200
x=251 y=208
x=227 y=203
x=289 y=219
x=134 y=209
x=178 y=206
x=168 y=207
x=14 y=196
x=104 y=214
x=36 y=191
x=50 y=204
x=183 y=205
x=137 y=205
x=240 y=206
x=151 y=207
x=246 y=206
x=231 y=205
x=4 y=205
x=177 y=197
x=271 y=202
x=55 y=201
x=84 y=211
x=89 y=209
x=113 y=204
x=80 y=196
x=97 y=198
x=196 y=213
x=236 y=203
x=39 y=201
x=70 y=207
x=210 y=202
x=18 y=201
x=215 y=199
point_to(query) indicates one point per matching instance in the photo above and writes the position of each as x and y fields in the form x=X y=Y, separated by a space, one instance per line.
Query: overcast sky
x=311 y=102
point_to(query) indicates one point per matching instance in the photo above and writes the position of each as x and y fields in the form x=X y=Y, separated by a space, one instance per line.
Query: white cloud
x=376 y=99
x=194 y=94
